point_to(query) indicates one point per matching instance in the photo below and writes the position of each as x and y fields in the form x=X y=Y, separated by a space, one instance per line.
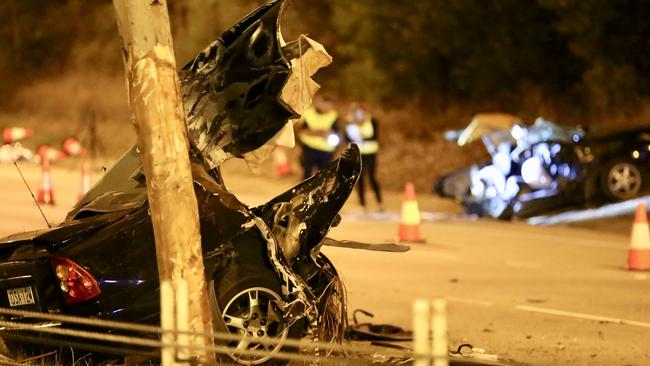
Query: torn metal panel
x=307 y=57
x=383 y=247
x=314 y=204
x=233 y=90
x=232 y=87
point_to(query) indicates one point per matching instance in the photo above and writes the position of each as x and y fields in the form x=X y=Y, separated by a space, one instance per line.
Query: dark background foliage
x=584 y=55
x=422 y=65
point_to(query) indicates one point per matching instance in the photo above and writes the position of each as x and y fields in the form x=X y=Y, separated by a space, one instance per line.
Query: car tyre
x=621 y=180
x=236 y=293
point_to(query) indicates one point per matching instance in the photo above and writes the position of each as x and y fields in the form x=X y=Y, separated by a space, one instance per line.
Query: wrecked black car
x=545 y=166
x=265 y=272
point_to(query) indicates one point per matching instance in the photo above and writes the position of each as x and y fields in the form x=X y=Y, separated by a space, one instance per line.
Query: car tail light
x=76 y=283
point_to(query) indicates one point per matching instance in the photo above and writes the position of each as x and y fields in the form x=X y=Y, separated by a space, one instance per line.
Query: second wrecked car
x=545 y=166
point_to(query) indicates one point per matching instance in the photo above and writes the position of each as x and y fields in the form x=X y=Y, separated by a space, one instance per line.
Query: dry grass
x=70 y=94
x=62 y=106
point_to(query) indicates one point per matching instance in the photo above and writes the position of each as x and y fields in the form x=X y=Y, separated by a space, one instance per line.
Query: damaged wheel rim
x=254 y=315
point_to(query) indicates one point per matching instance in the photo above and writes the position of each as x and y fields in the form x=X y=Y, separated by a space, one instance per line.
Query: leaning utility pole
x=158 y=115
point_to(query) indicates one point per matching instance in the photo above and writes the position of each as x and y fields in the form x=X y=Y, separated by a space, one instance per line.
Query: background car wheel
x=621 y=180
x=248 y=306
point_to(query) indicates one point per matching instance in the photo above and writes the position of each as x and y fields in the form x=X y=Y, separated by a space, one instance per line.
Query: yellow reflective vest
x=369 y=145
x=318 y=122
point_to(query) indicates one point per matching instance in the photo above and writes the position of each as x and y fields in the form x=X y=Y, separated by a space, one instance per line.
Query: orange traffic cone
x=13 y=134
x=638 y=256
x=72 y=147
x=281 y=162
x=409 y=228
x=46 y=191
x=47 y=152
x=85 y=180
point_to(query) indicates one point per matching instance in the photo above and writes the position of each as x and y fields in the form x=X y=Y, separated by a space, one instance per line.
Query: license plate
x=21 y=296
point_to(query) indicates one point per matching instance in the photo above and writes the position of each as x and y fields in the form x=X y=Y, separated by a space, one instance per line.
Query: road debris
x=376 y=332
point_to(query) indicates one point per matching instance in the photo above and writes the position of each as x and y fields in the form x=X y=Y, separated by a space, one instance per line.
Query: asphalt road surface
x=536 y=295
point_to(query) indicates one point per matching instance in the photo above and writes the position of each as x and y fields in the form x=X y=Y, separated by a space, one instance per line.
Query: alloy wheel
x=254 y=315
x=624 y=180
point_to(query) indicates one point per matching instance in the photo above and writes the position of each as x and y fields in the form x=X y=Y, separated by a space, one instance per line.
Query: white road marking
x=606 y=211
x=571 y=314
x=640 y=276
x=468 y=301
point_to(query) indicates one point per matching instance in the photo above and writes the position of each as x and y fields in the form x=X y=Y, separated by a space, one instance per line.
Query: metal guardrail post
x=439 y=332
x=167 y=323
x=182 y=321
x=421 y=332
x=430 y=333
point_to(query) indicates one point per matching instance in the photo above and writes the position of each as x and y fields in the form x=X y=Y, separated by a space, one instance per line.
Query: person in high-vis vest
x=318 y=135
x=362 y=130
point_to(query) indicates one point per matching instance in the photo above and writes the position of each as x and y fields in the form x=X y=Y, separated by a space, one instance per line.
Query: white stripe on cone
x=640 y=236
x=410 y=213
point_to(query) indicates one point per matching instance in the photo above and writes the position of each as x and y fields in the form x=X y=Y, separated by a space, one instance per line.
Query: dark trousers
x=313 y=160
x=369 y=169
